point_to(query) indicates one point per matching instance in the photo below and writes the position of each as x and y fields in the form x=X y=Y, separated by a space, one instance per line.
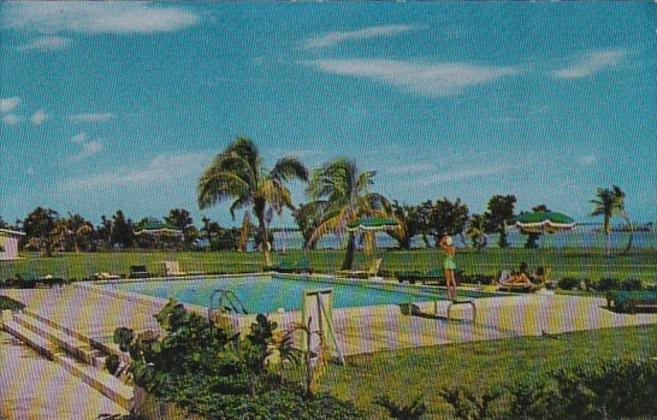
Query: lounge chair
x=373 y=271
x=435 y=275
x=105 y=276
x=139 y=272
x=631 y=301
x=172 y=268
x=301 y=266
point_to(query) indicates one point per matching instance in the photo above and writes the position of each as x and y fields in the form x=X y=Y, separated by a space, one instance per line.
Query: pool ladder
x=228 y=303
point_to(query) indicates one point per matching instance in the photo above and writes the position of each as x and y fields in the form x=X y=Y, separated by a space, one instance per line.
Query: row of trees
x=47 y=231
x=338 y=193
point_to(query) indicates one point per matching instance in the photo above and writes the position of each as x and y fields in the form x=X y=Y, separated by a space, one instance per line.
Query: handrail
x=232 y=302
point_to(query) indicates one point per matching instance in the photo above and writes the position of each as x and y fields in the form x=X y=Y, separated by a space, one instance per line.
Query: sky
x=110 y=106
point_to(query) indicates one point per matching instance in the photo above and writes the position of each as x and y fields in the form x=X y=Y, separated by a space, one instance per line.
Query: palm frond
x=289 y=168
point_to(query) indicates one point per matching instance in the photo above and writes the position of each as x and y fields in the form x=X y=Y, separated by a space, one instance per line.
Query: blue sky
x=121 y=105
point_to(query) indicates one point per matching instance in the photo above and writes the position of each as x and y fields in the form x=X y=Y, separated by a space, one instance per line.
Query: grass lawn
x=480 y=366
x=580 y=263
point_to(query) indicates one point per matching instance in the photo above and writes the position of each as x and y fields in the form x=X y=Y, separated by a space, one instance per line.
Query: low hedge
x=9 y=303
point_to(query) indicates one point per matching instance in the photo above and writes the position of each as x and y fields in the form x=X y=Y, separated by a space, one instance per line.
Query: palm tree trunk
x=348 y=262
x=608 y=236
x=265 y=240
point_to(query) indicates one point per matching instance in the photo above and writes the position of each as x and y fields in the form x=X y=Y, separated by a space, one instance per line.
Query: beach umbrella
x=157 y=228
x=369 y=226
x=159 y=231
x=544 y=222
x=372 y=224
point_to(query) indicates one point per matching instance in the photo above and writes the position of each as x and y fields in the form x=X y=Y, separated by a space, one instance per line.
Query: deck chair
x=172 y=268
x=373 y=271
x=104 y=275
x=139 y=272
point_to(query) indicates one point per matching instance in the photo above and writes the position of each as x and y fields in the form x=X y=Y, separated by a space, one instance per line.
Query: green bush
x=591 y=285
x=469 y=405
x=414 y=411
x=209 y=371
x=606 y=284
x=9 y=303
x=631 y=284
x=568 y=283
x=112 y=363
x=616 y=389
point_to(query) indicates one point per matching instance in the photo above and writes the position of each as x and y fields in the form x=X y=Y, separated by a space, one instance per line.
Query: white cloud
x=79 y=138
x=459 y=175
x=39 y=117
x=409 y=168
x=88 y=149
x=91 y=117
x=161 y=169
x=9 y=104
x=332 y=38
x=589 y=160
x=96 y=17
x=12 y=119
x=591 y=63
x=46 y=43
x=441 y=79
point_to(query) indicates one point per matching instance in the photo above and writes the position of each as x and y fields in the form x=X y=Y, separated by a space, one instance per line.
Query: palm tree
x=237 y=173
x=476 y=231
x=343 y=194
x=609 y=202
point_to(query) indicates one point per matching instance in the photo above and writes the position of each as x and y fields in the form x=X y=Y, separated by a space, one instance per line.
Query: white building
x=9 y=244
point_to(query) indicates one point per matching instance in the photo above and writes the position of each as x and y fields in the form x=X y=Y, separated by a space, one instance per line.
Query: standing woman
x=449 y=264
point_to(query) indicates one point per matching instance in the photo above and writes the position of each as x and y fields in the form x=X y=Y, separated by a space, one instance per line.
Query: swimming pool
x=267 y=294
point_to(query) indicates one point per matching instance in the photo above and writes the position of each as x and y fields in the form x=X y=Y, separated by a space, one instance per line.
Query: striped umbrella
x=544 y=222
x=372 y=224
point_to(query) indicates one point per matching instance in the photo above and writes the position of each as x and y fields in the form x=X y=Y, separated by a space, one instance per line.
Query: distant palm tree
x=609 y=202
x=476 y=231
x=237 y=173
x=342 y=191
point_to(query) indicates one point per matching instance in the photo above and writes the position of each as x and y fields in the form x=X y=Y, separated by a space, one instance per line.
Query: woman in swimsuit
x=449 y=264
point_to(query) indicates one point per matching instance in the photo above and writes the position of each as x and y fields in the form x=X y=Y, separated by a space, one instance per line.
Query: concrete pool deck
x=359 y=330
x=93 y=312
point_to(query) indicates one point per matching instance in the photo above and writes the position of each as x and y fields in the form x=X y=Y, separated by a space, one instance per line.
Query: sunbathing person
x=519 y=277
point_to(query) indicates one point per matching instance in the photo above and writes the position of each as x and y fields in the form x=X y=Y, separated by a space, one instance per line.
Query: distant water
x=579 y=238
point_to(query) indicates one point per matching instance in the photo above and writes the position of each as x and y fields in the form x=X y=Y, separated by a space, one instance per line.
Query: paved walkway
x=33 y=387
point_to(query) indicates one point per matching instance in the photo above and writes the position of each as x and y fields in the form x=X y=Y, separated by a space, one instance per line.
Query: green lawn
x=581 y=263
x=479 y=366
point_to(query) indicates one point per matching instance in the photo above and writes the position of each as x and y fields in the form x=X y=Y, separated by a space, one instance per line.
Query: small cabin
x=9 y=244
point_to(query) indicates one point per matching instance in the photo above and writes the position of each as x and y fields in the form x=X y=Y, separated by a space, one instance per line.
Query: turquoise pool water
x=268 y=294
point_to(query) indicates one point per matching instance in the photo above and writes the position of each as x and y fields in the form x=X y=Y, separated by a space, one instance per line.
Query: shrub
x=112 y=363
x=468 y=405
x=591 y=284
x=616 y=389
x=631 y=284
x=413 y=411
x=207 y=370
x=11 y=304
x=568 y=283
x=606 y=284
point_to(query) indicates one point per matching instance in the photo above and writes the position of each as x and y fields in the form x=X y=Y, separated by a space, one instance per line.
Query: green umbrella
x=544 y=222
x=157 y=228
x=372 y=224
